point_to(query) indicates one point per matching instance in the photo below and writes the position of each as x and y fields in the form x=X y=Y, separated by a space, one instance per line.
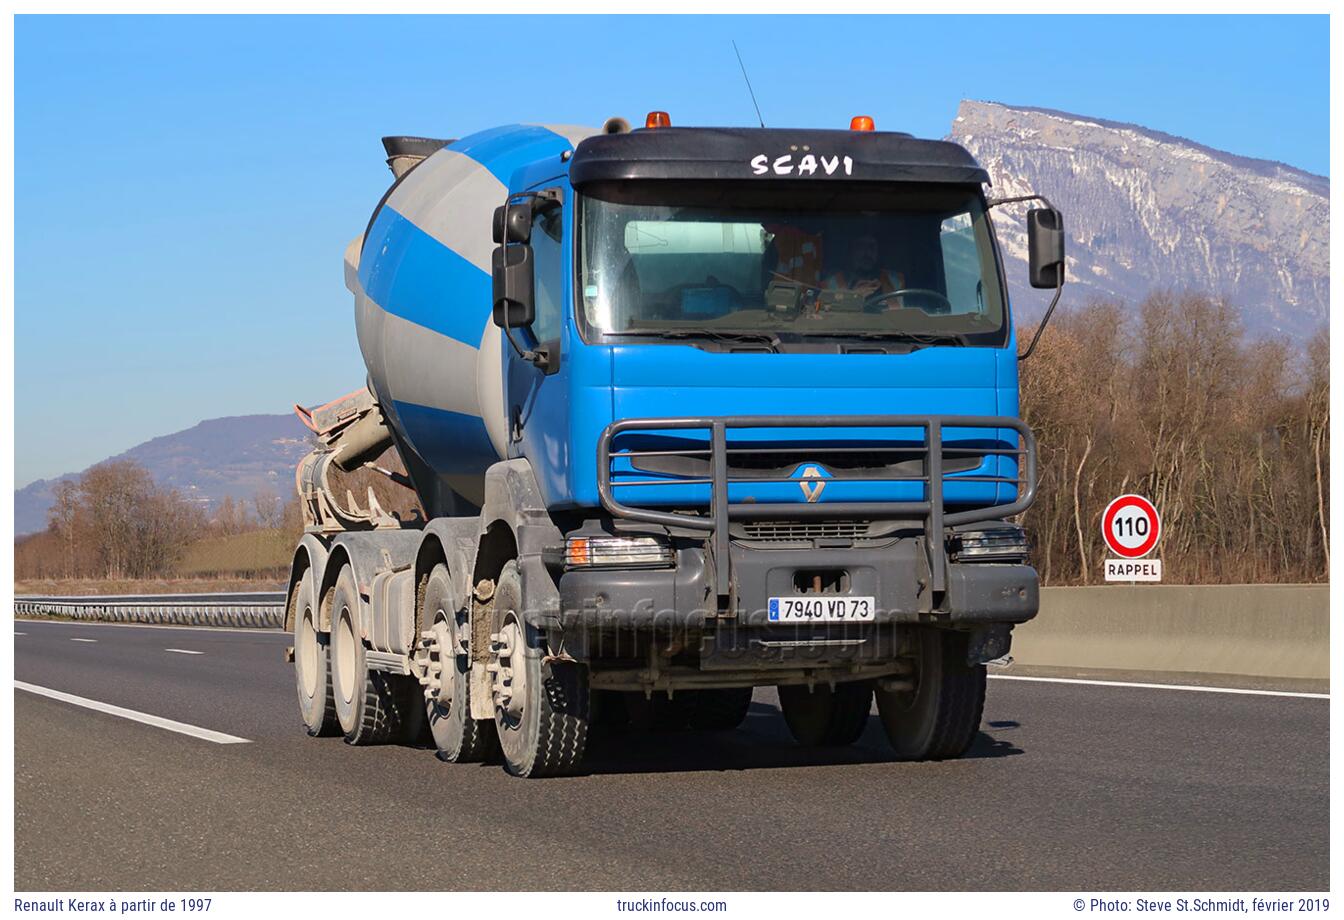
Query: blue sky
x=185 y=186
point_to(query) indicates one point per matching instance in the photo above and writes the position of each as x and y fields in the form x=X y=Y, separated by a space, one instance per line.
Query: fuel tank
x=421 y=279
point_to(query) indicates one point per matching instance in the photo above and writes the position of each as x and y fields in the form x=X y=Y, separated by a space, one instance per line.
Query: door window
x=548 y=266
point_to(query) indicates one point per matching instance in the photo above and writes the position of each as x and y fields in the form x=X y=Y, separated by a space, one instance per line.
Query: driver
x=863 y=272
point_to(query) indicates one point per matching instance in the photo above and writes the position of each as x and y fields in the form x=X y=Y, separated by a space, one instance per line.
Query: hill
x=239 y=456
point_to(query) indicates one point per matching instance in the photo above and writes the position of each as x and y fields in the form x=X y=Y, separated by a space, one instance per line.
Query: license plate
x=820 y=608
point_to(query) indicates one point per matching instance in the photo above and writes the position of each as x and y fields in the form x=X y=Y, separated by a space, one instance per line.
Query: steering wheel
x=946 y=304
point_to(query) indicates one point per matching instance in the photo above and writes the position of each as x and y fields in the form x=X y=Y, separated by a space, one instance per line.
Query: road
x=1069 y=786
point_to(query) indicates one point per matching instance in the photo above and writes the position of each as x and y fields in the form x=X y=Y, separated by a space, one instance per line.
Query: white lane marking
x=84 y=624
x=182 y=728
x=77 y=639
x=17 y=633
x=1189 y=687
x=183 y=651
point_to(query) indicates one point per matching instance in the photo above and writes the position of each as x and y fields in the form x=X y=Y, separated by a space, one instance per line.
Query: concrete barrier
x=1273 y=631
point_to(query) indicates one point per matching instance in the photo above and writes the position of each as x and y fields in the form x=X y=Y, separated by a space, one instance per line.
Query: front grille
x=747 y=463
x=768 y=459
x=799 y=531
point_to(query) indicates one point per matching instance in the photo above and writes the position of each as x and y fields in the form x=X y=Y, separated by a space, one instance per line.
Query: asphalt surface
x=1068 y=787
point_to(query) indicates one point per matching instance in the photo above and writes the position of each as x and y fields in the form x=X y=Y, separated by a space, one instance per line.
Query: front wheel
x=541 y=712
x=937 y=716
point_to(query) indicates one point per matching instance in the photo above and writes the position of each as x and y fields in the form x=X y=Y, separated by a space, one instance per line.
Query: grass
x=257 y=553
x=254 y=561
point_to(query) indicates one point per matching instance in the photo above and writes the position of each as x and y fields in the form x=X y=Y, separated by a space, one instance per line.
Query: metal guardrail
x=256 y=609
x=939 y=463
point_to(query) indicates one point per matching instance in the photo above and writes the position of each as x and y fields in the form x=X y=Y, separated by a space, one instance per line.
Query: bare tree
x=113 y=495
x=116 y=523
x=1229 y=442
x=269 y=510
x=62 y=521
x=231 y=518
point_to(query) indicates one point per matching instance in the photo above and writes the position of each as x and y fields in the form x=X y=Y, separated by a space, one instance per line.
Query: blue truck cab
x=689 y=411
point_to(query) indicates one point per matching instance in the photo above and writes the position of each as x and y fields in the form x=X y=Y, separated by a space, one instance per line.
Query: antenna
x=749 y=89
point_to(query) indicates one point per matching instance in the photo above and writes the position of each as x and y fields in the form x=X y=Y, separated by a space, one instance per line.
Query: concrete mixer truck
x=687 y=412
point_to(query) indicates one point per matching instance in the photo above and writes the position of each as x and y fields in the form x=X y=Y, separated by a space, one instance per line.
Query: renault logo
x=811 y=482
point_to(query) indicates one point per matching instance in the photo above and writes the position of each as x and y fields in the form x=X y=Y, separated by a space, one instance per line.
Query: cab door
x=534 y=397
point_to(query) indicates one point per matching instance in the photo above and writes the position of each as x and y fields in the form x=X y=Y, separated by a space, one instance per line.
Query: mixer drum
x=421 y=280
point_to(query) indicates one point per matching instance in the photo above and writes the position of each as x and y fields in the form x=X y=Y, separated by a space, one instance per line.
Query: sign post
x=1131 y=527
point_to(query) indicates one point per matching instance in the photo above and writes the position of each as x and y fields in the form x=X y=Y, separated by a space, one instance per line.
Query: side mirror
x=511 y=270
x=513 y=223
x=1045 y=247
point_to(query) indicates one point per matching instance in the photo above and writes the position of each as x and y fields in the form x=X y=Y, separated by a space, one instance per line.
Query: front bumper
x=895 y=575
x=616 y=614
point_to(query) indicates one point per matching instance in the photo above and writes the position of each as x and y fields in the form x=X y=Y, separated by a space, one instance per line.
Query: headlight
x=1002 y=544
x=587 y=552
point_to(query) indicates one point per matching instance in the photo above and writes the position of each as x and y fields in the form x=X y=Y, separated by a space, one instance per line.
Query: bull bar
x=721 y=511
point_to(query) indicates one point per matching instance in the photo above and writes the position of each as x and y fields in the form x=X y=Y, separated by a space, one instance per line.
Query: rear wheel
x=457 y=736
x=373 y=707
x=938 y=715
x=541 y=713
x=312 y=668
x=821 y=716
x=719 y=710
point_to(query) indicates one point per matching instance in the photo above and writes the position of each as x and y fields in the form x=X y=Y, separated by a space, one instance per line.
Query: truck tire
x=372 y=707
x=940 y=717
x=458 y=738
x=719 y=710
x=822 y=717
x=312 y=663
x=541 y=713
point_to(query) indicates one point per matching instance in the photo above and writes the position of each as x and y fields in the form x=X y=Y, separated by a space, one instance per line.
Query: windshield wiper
x=719 y=335
x=920 y=338
x=917 y=338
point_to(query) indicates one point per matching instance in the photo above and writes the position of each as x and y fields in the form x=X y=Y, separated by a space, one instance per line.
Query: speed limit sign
x=1131 y=526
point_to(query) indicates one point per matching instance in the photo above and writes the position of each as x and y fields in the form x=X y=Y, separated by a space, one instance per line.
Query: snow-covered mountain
x=1145 y=210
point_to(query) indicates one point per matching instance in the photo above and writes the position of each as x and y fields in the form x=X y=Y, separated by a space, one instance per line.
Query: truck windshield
x=779 y=263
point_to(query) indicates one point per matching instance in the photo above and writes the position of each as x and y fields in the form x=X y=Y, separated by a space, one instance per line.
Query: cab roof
x=771 y=154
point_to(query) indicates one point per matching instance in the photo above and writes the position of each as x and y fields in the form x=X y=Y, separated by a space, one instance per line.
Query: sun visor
x=771 y=154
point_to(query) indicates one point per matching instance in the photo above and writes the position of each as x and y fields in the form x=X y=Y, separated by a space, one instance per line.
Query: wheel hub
x=307 y=655
x=508 y=674
x=346 y=656
x=438 y=648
